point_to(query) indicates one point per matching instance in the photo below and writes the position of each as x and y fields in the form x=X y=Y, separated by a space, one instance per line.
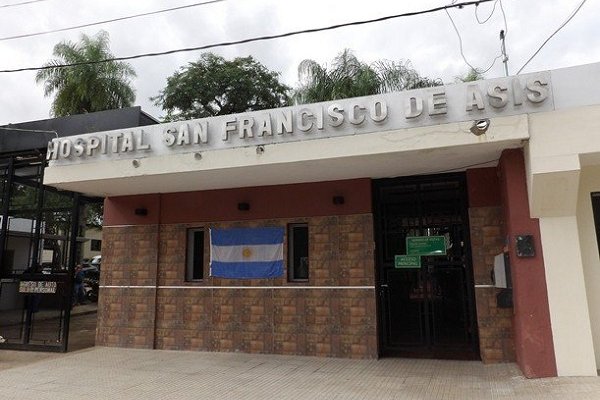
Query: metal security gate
x=425 y=311
x=38 y=245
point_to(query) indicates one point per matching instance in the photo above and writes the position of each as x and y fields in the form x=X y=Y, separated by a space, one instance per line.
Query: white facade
x=91 y=234
x=563 y=157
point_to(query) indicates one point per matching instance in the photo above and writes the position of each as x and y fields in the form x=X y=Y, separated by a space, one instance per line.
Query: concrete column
x=571 y=330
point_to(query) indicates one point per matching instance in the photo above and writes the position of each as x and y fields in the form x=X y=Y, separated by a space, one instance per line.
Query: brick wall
x=495 y=324
x=203 y=316
x=163 y=311
x=126 y=315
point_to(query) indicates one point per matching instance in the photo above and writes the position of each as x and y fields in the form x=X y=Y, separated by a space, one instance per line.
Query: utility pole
x=503 y=50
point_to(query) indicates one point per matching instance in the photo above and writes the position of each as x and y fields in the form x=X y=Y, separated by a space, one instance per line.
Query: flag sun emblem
x=247 y=252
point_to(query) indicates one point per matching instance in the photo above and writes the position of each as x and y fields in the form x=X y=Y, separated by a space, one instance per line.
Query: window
x=96 y=245
x=298 y=252
x=194 y=270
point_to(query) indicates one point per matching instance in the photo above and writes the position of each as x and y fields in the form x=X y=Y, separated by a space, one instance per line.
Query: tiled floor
x=110 y=373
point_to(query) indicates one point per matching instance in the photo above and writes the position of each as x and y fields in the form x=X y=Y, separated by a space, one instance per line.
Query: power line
x=106 y=21
x=249 y=40
x=503 y=35
x=552 y=35
x=504 y=17
x=21 y=3
x=460 y=42
x=460 y=45
x=489 y=16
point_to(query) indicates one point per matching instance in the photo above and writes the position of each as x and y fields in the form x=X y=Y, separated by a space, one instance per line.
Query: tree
x=474 y=74
x=215 y=86
x=87 y=87
x=349 y=77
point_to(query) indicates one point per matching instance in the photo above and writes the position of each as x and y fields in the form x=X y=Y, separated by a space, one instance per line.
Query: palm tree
x=349 y=77
x=91 y=85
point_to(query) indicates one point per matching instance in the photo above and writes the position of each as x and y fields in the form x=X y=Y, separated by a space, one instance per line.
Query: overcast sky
x=428 y=41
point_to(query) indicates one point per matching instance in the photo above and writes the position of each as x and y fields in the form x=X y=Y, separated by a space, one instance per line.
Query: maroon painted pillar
x=532 y=328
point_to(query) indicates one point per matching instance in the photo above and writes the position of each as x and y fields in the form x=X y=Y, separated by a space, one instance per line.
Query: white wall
x=563 y=144
x=590 y=182
x=567 y=301
x=91 y=233
x=560 y=143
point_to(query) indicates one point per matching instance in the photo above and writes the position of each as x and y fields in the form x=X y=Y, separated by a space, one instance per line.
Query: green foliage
x=474 y=74
x=94 y=214
x=90 y=87
x=215 y=86
x=56 y=207
x=23 y=201
x=349 y=77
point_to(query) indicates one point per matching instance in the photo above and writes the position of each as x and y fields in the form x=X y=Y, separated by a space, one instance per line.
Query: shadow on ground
x=82 y=333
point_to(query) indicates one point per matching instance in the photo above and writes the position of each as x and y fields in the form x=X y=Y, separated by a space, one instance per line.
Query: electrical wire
x=466 y=166
x=26 y=35
x=552 y=35
x=8 y=128
x=460 y=44
x=504 y=17
x=489 y=16
x=249 y=40
x=503 y=39
x=21 y=3
x=461 y=168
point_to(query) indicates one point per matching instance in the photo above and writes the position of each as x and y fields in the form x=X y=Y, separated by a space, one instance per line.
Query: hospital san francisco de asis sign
x=362 y=115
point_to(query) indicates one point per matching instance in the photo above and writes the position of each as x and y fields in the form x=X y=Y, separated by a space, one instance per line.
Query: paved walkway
x=110 y=373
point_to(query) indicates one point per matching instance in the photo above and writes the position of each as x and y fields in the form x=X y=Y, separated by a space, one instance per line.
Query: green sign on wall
x=426 y=245
x=407 y=261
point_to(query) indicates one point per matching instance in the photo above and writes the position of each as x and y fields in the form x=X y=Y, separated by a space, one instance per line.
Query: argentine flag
x=246 y=253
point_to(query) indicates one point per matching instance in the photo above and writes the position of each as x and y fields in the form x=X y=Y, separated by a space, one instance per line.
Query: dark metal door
x=427 y=311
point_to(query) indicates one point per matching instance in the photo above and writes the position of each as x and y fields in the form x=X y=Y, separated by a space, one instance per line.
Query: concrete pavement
x=112 y=373
x=14 y=358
